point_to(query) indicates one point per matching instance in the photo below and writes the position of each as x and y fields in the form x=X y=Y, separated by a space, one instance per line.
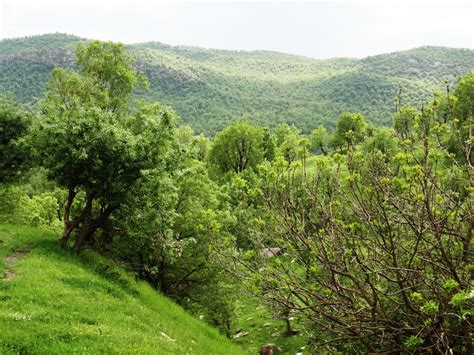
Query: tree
x=269 y=145
x=237 y=147
x=14 y=128
x=404 y=120
x=464 y=92
x=463 y=112
x=110 y=68
x=319 y=139
x=185 y=136
x=92 y=141
x=382 y=140
x=377 y=247
x=293 y=147
x=170 y=226
x=202 y=147
x=282 y=131
x=350 y=130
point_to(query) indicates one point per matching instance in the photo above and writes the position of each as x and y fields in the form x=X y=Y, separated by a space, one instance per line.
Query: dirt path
x=9 y=274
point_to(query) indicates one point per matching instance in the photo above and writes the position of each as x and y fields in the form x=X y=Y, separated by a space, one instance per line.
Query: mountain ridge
x=234 y=51
x=209 y=88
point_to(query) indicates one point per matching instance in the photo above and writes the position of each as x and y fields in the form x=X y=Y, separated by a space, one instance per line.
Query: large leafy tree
x=238 y=147
x=93 y=141
x=14 y=151
x=319 y=139
x=377 y=244
x=293 y=147
x=170 y=227
x=283 y=131
x=463 y=112
x=350 y=130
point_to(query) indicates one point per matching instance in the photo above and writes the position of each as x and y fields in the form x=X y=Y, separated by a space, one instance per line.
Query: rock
x=240 y=335
x=8 y=274
x=166 y=336
x=268 y=349
x=270 y=252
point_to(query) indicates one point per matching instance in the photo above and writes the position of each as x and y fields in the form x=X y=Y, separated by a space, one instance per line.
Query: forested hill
x=209 y=88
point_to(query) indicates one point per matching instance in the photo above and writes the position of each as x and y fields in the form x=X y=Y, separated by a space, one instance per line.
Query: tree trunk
x=87 y=227
x=161 y=280
x=322 y=149
x=90 y=224
x=68 y=226
x=85 y=234
x=289 y=329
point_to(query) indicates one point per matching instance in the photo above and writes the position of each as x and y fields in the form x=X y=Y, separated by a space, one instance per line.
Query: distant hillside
x=54 y=302
x=209 y=88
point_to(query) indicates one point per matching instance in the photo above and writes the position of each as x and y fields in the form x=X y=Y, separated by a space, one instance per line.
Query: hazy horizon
x=315 y=29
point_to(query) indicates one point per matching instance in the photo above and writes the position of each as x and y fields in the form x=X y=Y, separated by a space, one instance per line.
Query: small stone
x=240 y=335
x=268 y=349
x=166 y=336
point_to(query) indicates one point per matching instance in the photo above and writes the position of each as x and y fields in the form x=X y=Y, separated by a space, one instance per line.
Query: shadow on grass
x=91 y=261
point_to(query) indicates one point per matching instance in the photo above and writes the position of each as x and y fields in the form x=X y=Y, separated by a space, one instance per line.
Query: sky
x=318 y=29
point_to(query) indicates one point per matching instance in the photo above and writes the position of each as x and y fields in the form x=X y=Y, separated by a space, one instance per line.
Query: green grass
x=262 y=328
x=62 y=303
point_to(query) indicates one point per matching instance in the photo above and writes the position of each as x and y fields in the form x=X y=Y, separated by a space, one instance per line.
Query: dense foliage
x=14 y=126
x=377 y=242
x=211 y=88
x=90 y=142
x=237 y=147
x=361 y=233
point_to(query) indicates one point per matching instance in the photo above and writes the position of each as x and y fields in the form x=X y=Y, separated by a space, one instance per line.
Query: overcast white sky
x=321 y=29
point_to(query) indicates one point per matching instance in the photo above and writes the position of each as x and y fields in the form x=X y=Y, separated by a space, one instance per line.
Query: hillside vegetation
x=55 y=302
x=354 y=239
x=210 y=88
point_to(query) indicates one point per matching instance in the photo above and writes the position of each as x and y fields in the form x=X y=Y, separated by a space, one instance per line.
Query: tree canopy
x=92 y=140
x=237 y=147
x=14 y=149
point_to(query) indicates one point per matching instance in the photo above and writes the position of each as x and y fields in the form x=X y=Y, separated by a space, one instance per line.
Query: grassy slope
x=254 y=319
x=62 y=303
x=209 y=88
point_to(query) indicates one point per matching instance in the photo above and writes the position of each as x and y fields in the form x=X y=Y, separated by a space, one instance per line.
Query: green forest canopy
x=209 y=88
